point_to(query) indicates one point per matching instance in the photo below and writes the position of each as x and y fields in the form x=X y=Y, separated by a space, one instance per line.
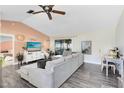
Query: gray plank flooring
x=90 y=76
x=87 y=76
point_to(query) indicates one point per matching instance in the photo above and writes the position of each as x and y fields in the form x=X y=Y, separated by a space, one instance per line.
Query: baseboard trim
x=92 y=62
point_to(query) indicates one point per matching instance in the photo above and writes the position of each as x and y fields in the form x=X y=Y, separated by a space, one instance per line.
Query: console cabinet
x=32 y=56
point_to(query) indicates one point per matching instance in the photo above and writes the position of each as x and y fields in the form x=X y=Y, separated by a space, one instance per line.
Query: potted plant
x=68 y=42
x=20 y=58
x=1 y=61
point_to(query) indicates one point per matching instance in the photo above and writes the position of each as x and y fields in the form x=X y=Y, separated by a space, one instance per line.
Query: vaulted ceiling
x=78 y=18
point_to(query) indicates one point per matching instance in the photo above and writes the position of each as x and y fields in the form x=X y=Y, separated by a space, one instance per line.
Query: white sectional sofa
x=55 y=73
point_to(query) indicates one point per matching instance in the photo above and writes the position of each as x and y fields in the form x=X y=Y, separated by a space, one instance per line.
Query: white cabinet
x=32 y=56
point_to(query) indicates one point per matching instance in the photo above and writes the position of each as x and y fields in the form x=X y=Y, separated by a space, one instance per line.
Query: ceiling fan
x=48 y=9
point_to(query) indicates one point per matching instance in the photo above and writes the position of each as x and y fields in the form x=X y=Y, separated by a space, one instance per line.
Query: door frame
x=13 y=43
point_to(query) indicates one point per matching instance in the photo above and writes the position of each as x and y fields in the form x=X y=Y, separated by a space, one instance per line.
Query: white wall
x=120 y=34
x=102 y=41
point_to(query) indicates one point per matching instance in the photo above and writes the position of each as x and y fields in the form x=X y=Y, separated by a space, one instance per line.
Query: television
x=33 y=46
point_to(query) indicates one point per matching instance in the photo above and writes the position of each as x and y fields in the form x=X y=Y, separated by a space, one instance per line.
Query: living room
x=85 y=38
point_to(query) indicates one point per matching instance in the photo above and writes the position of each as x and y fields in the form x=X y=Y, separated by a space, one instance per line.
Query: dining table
x=119 y=62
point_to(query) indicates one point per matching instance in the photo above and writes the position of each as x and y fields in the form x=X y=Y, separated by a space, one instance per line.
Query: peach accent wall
x=6 y=46
x=30 y=34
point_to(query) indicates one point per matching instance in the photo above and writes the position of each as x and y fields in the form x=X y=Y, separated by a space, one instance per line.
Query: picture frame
x=86 y=47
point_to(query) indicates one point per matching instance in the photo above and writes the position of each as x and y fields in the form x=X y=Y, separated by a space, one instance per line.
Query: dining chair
x=107 y=64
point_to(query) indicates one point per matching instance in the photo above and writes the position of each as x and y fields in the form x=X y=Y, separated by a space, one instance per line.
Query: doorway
x=7 y=46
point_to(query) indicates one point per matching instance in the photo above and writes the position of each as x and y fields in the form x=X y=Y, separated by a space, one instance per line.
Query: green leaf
x=1 y=61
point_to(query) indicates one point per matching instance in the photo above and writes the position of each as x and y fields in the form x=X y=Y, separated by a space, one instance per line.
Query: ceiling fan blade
x=41 y=6
x=51 y=6
x=37 y=12
x=50 y=16
x=30 y=11
x=58 y=12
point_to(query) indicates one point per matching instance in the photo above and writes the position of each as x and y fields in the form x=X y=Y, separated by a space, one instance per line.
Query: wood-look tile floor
x=87 y=76
x=90 y=76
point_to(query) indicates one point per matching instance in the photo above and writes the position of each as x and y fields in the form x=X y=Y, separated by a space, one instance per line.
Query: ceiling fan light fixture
x=47 y=8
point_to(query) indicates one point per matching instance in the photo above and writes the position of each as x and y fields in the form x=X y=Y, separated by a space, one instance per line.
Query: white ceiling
x=77 y=19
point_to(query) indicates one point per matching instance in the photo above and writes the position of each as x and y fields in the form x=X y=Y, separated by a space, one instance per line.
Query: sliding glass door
x=61 y=45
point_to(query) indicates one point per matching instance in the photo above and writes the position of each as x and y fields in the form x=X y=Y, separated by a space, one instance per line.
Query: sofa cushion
x=67 y=52
x=24 y=69
x=51 y=64
x=75 y=55
x=68 y=57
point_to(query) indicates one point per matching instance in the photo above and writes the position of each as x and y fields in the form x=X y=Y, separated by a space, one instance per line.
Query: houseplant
x=20 y=58
x=68 y=42
x=1 y=61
